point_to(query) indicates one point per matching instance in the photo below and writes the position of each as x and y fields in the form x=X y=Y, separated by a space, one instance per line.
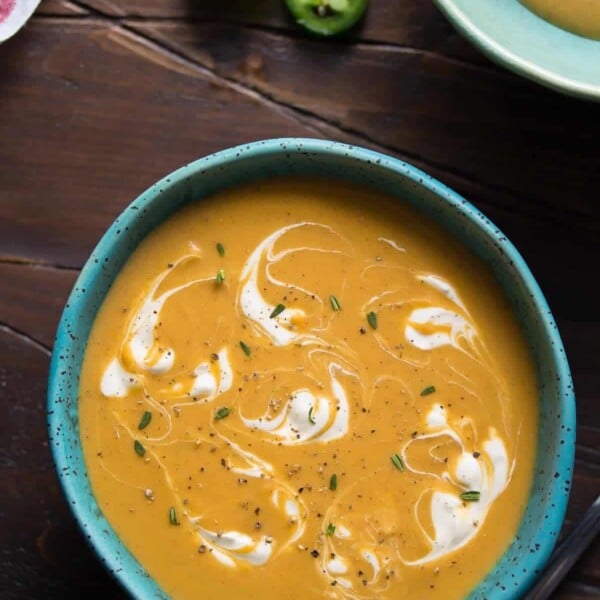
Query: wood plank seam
x=24 y=336
x=313 y=120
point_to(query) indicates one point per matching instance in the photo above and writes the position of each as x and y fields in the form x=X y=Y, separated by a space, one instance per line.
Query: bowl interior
x=542 y=521
x=512 y=35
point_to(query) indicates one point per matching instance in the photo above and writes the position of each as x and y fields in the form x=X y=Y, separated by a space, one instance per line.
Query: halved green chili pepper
x=327 y=17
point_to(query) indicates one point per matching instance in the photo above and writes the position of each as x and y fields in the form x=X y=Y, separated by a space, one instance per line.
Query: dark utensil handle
x=567 y=553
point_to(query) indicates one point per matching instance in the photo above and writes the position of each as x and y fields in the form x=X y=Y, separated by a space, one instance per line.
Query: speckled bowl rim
x=526 y=23
x=63 y=424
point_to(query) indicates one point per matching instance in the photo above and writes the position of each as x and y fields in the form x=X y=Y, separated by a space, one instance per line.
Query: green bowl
x=523 y=560
x=513 y=36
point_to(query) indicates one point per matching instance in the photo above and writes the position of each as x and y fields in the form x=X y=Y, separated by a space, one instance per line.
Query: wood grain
x=485 y=125
x=43 y=553
x=62 y=8
x=96 y=160
x=407 y=24
x=112 y=116
x=32 y=299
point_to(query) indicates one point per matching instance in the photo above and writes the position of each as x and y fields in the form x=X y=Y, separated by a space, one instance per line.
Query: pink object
x=13 y=15
x=6 y=7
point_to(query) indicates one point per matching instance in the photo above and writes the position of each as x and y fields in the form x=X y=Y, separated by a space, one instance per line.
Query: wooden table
x=98 y=99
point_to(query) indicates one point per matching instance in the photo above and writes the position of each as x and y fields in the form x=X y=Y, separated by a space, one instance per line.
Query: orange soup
x=306 y=389
x=579 y=16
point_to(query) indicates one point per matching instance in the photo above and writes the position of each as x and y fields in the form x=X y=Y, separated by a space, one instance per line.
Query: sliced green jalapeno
x=327 y=17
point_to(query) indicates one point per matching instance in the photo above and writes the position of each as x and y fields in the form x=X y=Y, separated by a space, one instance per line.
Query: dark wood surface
x=99 y=99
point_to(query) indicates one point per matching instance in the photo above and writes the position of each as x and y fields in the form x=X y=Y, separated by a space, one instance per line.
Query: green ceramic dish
x=544 y=514
x=513 y=36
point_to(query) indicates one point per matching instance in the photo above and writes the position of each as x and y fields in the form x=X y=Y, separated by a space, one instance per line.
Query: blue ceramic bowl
x=513 y=36
x=518 y=567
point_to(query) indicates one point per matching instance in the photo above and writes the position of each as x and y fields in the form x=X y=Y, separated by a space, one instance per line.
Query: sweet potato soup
x=305 y=389
x=579 y=16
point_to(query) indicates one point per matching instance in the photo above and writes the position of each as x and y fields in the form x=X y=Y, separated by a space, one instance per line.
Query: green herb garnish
x=220 y=278
x=372 y=319
x=173 y=516
x=145 y=420
x=221 y=413
x=335 y=303
x=333 y=483
x=277 y=311
x=311 y=419
x=398 y=462
x=139 y=449
x=220 y=249
x=330 y=529
x=245 y=348
x=471 y=496
x=428 y=390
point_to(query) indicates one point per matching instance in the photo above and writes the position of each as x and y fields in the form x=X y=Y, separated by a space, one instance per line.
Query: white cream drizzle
x=393 y=244
x=230 y=546
x=428 y=326
x=456 y=522
x=372 y=559
x=209 y=385
x=254 y=466
x=285 y=500
x=309 y=417
x=141 y=336
x=376 y=561
x=141 y=340
x=441 y=285
x=450 y=328
x=279 y=329
x=116 y=381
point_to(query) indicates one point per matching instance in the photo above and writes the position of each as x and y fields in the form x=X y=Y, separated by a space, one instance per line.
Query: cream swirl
x=320 y=412
x=281 y=329
x=373 y=539
x=455 y=521
x=308 y=417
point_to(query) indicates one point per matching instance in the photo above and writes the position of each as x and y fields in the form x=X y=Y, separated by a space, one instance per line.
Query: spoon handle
x=567 y=553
